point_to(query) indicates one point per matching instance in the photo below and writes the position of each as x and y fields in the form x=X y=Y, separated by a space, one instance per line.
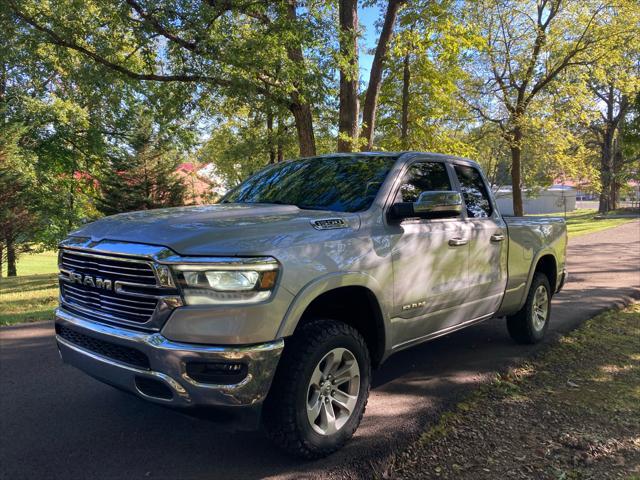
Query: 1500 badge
x=411 y=306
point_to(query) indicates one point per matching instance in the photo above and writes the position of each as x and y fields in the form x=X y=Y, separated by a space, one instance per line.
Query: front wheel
x=529 y=325
x=320 y=391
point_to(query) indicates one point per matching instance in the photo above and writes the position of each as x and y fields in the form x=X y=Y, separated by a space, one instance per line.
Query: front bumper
x=167 y=362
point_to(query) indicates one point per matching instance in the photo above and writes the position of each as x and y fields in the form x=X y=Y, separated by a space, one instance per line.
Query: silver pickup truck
x=282 y=298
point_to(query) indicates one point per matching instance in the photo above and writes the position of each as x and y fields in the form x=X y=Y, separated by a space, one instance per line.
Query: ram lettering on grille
x=110 y=288
x=89 y=281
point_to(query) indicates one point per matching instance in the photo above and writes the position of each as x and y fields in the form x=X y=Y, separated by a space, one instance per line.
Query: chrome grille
x=123 y=306
x=111 y=267
x=132 y=297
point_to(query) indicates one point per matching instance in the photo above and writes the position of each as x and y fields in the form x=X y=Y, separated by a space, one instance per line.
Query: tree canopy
x=93 y=93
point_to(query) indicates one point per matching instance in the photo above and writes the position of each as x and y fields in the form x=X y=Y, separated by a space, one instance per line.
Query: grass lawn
x=573 y=413
x=580 y=222
x=35 y=264
x=28 y=298
x=33 y=294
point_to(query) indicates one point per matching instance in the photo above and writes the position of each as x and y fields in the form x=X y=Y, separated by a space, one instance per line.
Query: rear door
x=487 y=275
x=430 y=259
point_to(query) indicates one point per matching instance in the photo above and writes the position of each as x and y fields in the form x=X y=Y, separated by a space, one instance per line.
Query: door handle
x=458 y=242
x=497 y=237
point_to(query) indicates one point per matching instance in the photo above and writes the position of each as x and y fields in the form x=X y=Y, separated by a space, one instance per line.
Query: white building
x=556 y=199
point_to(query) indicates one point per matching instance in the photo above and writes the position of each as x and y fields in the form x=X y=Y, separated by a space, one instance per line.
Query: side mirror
x=436 y=204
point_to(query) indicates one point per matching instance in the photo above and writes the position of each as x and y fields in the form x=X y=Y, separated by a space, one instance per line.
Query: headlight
x=221 y=280
x=226 y=283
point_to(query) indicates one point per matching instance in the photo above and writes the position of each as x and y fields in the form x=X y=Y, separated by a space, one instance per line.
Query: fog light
x=218 y=373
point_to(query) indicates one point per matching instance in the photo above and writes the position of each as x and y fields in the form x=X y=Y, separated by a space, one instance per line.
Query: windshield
x=341 y=184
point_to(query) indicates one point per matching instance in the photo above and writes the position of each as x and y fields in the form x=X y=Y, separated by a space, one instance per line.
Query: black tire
x=285 y=409
x=522 y=326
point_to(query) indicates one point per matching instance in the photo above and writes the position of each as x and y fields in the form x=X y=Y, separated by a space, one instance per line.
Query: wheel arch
x=547 y=263
x=343 y=297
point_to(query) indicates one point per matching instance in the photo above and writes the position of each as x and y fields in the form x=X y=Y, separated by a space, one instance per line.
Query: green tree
x=347 y=62
x=528 y=46
x=420 y=108
x=36 y=147
x=630 y=134
x=631 y=138
x=242 y=143
x=614 y=83
x=19 y=216
x=238 y=49
x=145 y=178
x=77 y=117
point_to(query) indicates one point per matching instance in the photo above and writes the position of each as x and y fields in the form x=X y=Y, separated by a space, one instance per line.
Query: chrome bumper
x=167 y=364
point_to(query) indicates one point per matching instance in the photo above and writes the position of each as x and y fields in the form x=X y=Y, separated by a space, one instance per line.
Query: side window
x=474 y=191
x=423 y=177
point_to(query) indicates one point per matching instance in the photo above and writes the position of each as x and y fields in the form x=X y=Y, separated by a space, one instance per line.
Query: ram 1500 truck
x=283 y=297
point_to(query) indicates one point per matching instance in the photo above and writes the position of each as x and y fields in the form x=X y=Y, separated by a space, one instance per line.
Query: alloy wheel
x=333 y=391
x=540 y=308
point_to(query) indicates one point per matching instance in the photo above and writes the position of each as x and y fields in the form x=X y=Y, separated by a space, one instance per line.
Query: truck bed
x=530 y=239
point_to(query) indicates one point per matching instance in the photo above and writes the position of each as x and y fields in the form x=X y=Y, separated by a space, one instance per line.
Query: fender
x=328 y=282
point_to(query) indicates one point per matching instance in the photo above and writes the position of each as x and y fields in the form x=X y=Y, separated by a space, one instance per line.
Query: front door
x=430 y=258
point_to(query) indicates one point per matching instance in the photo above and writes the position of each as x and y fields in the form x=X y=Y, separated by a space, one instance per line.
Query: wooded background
x=101 y=101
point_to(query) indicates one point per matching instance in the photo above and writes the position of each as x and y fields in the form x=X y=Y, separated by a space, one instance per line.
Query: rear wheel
x=530 y=324
x=320 y=391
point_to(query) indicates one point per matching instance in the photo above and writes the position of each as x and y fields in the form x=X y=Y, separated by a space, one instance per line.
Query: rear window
x=474 y=191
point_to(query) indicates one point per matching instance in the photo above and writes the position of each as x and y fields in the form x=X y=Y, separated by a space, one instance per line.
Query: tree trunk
x=11 y=258
x=606 y=171
x=300 y=109
x=348 y=113
x=71 y=208
x=375 y=76
x=270 y=142
x=516 y=168
x=280 y=151
x=406 y=80
x=304 y=127
x=616 y=165
x=613 y=197
x=1 y=260
x=615 y=187
x=617 y=160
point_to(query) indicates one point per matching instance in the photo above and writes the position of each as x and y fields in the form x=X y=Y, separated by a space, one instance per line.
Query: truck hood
x=223 y=229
